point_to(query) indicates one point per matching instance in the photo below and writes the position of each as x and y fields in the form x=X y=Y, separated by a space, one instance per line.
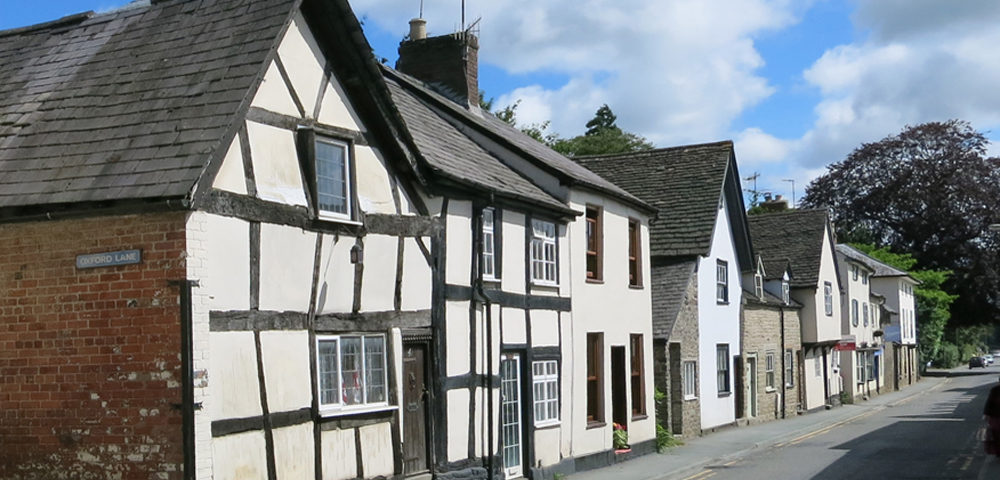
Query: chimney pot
x=418 y=29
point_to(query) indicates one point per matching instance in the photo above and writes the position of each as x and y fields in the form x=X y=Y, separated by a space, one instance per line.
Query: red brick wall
x=90 y=359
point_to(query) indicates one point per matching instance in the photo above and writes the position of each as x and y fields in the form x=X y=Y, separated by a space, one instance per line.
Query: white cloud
x=756 y=148
x=921 y=61
x=674 y=71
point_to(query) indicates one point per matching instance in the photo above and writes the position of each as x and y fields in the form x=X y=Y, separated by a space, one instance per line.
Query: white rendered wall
x=718 y=324
x=513 y=252
x=239 y=456
x=286 y=266
x=276 y=164
x=227 y=281
x=231 y=176
x=611 y=308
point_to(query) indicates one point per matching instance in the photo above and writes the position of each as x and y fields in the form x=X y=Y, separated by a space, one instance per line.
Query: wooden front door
x=414 y=409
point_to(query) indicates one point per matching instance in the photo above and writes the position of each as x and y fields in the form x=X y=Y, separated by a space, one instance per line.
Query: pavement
x=726 y=446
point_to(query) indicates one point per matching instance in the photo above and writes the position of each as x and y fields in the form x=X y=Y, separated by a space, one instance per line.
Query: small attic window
x=758 y=285
x=333 y=186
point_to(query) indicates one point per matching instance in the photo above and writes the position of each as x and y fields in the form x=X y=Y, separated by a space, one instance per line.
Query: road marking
x=701 y=475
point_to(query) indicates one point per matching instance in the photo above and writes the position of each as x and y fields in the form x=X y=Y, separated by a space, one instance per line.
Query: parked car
x=989 y=358
x=977 y=362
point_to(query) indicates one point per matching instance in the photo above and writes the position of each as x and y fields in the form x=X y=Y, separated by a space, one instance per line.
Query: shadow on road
x=944 y=443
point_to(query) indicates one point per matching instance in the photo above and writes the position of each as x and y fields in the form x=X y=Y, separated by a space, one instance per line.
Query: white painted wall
x=228 y=263
x=231 y=176
x=378 y=283
x=239 y=456
x=304 y=62
x=276 y=164
x=286 y=265
x=718 y=323
x=513 y=252
x=293 y=451
x=612 y=308
x=286 y=369
x=273 y=95
x=335 y=292
x=233 y=383
x=376 y=449
x=458 y=270
x=339 y=454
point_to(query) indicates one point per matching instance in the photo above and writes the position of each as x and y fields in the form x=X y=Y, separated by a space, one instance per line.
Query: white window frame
x=769 y=371
x=828 y=298
x=758 y=285
x=864 y=313
x=690 y=377
x=721 y=281
x=789 y=369
x=854 y=312
x=854 y=272
x=365 y=406
x=545 y=374
x=544 y=254
x=489 y=244
x=859 y=368
x=785 y=294
x=346 y=147
x=723 y=374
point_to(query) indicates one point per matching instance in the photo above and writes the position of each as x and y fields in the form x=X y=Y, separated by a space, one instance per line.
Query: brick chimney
x=450 y=63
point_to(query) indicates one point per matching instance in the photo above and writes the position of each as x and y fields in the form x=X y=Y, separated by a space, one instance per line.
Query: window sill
x=547 y=425
x=336 y=219
x=725 y=394
x=721 y=302
x=544 y=284
x=347 y=411
x=490 y=280
x=636 y=287
x=769 y=389
x=598 y=281
x=591 y=424
x=789 y=387
x=688 y=398
x=639 y=417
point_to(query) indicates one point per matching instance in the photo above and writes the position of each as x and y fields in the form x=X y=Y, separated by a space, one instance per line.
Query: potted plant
x=619 y=437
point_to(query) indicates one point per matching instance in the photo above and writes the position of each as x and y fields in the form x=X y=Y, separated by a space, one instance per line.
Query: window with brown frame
x=595 y=240
x=638 y=392
x=634 y=254
x=595 y=387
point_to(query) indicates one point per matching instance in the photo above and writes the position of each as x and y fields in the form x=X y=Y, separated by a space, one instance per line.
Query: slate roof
x=453 y=154
x=880 y=269
x=683 y=183
x=129 y=104
x=671 y=286
x=795 y=235
x=769 y=300
x=485 y=124
x=774 y=268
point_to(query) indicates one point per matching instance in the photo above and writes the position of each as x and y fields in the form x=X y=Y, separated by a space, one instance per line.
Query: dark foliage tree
x=602 y=137
x=930 y=191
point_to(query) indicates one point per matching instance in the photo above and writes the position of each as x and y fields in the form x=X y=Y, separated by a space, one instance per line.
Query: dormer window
x=784 y=292
x=333 y=186
x=758 y=285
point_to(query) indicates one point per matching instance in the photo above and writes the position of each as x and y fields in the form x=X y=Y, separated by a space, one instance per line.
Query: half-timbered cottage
x=699 y=249
x=238 y=247
x=531 y=281
x=804 y=238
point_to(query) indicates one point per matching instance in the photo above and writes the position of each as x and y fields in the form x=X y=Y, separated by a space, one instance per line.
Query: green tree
x=602 y=137
x=930 y=190
x=933 y=302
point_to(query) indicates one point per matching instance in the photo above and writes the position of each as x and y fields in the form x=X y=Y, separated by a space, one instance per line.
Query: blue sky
x=796 y=84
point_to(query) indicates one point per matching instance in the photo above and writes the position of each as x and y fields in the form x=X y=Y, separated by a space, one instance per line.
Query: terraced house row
x=235 y=245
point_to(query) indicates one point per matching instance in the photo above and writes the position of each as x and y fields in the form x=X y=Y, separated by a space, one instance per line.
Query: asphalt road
x=932 y=436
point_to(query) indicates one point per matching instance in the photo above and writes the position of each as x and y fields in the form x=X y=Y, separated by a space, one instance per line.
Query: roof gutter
x=64 y=211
